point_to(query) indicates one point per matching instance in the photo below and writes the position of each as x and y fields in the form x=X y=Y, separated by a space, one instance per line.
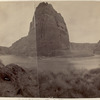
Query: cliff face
x=97 y=48
x=82 y=49
x=82 y=46
x=51 y=32
x=4 y=50
x=25 y=46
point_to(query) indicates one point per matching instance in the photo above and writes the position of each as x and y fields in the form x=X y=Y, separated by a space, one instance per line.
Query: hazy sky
x=15 y=18
x=82 y=20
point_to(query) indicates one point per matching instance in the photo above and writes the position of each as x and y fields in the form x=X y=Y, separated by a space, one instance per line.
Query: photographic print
x=50 y=49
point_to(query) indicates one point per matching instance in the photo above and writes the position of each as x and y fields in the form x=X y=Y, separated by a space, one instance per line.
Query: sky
x=82 y=20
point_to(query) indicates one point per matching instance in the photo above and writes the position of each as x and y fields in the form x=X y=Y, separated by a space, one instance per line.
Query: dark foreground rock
x=16 y=82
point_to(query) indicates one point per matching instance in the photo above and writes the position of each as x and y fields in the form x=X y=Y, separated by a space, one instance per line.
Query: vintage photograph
x=50 y=49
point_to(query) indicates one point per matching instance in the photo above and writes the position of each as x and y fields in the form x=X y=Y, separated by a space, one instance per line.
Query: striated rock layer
x=51 y=32
x=97 y=48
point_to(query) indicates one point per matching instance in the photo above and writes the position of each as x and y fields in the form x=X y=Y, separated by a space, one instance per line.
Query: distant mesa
x=97 y=48
x=4 y=50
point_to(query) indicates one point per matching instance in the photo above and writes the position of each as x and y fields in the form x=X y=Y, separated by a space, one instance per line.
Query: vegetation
x=73 y=84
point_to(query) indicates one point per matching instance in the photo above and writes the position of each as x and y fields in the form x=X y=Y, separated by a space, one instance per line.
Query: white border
x=16 y=98
x=47 y=0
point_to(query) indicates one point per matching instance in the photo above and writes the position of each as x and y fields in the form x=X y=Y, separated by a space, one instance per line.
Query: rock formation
x=48 y=31
x=4 y=50
x=81 y=49
x=51 y=32
x=97 y=48
x=26 y=46
x=15 y=82
x=82 y=46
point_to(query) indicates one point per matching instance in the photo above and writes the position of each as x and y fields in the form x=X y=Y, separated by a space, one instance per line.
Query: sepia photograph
x=50 y=49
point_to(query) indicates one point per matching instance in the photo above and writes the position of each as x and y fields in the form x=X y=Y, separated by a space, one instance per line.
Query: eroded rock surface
x=97 y=48
x=51 y=32
x=15 y=82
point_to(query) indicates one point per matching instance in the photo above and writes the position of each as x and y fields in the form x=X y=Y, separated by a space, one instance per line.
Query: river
x=26 y=62
x=53 y=63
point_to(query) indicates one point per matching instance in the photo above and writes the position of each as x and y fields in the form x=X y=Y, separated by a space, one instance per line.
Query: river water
x=53 y=63
x=26 y=62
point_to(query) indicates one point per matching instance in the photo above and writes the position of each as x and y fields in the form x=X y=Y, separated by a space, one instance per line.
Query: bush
x=73 y=84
